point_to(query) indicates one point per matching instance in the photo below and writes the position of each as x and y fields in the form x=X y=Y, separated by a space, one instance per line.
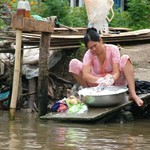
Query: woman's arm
x=86 y=74
x=116 y=72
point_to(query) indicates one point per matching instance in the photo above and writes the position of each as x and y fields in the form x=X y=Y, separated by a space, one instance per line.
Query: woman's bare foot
x=137 y=100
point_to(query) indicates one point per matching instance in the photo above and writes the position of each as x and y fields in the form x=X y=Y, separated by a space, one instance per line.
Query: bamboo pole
x=16 y=76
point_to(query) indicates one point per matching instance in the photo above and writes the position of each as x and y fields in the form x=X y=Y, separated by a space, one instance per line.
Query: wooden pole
x=43 y=73
x=16 y=76
x=22 y=24
x=32 y=89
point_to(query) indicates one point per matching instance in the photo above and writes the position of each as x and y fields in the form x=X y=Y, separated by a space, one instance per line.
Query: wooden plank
x=121 y=36
x=30 y=24
x=92 y=114
x=64 y=31
x=64 y=40
x=128 y=34
x=119 y=29
x=64 y=47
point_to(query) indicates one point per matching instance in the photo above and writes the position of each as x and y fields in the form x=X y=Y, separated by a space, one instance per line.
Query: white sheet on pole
x=97 y=12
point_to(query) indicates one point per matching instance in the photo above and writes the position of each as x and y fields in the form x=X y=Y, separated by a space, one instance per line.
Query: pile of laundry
x=70 y=105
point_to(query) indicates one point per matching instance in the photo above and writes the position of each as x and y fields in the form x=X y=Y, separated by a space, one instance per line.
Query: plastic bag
x=37 y=17
x=75 y=105
x=97 y=12
x=78 y=108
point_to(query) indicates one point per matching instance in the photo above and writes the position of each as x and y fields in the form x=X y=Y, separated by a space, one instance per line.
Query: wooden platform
x=93 y=114
x=69 y=41
x=63 y=38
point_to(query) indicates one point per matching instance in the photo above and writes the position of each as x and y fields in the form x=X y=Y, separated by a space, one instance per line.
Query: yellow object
x=13 y=1
x=27 y=9
x=32 y=3
x=73 y=100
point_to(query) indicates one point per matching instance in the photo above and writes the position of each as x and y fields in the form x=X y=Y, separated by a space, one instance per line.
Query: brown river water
x=28 y=132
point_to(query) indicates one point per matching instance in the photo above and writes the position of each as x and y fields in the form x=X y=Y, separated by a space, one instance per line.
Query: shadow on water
x=28 y=132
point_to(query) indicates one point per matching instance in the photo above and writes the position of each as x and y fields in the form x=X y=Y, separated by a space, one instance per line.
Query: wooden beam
x=43 y=73
x=30 y=24
x=21 y=24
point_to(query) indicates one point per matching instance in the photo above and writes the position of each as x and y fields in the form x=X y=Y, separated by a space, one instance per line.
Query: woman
x=102 y=65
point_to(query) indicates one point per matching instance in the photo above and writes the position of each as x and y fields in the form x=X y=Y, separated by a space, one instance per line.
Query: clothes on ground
x=142 y=87
x=69 y=105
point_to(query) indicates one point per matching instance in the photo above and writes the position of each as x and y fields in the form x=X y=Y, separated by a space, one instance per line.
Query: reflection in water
x=13 y=141
x=27 y=132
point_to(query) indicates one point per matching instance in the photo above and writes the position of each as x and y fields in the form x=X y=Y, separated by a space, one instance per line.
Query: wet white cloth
x=105 y=81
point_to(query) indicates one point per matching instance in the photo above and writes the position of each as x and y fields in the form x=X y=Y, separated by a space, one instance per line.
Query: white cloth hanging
x=97 y=12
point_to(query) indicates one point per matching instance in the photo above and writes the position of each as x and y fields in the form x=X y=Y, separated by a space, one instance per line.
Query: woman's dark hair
x=91 y=35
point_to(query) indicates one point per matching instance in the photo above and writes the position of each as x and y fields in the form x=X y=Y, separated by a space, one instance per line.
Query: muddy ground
x=140 y=56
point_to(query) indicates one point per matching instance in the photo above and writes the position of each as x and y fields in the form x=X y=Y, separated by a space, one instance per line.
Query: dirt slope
x=140 y=56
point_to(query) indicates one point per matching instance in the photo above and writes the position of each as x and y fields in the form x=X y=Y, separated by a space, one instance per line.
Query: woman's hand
x=100 y=80
x=109 y=80
x=106 y=81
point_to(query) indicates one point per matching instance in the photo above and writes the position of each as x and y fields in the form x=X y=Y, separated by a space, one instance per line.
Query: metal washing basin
x=105 y=97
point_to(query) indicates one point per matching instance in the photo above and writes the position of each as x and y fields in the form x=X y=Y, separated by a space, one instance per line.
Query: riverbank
x=140 y=56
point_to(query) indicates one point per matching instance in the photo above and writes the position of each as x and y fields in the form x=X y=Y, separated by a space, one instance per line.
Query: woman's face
x=95 y=47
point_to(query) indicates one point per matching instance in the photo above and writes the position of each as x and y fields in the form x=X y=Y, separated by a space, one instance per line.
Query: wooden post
x=16 y=76
x=43 y=73
x=32 y=89
x=21 y=23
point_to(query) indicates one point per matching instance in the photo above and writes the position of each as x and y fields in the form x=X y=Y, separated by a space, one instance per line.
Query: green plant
x=137 y=15
x=121 y=19
x=80 y=52
x=2 y=24
x=139 y=12
x=59 y=8
x=76 y=18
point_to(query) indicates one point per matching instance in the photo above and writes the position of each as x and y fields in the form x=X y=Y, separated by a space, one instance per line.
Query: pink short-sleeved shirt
x=97 y=69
